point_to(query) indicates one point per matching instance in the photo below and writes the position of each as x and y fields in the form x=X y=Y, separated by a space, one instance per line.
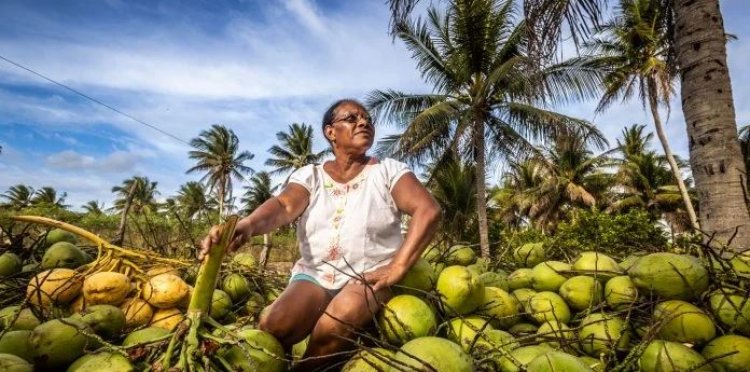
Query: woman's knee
x=274 y=323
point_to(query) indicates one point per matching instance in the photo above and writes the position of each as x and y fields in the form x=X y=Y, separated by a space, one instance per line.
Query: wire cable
x=131 y=117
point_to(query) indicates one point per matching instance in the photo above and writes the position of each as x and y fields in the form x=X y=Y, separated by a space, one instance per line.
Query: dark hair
x=328 y=116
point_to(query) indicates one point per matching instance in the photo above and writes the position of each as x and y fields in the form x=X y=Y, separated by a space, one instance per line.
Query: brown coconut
x=106 y=288
x=165 y=291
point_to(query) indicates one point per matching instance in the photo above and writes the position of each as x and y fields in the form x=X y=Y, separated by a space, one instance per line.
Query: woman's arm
x=412 y=198
x=272 y=214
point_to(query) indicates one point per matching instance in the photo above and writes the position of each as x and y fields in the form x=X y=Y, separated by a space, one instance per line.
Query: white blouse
x=348 y=228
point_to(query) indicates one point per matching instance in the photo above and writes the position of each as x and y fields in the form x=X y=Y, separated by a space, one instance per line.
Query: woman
x=349 y=231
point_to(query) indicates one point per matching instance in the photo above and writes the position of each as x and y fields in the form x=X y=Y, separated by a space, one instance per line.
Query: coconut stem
x=208 y=273
x=94 y=238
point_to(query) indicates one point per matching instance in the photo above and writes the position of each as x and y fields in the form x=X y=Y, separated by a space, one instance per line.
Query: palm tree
x=257 y=193
x=485 y=99
x=745 y=148
x=193 y=200
x=48 y=196
x=511 y=197
x=571 y=176
x=139 y=192
x=93 y=207
x=295 y=150
x=452 y=185
x=635 y=50
x=644 y=178
x=217 y=155
x=136 y=194
x=708 y=107
x=700 y=50
x=19 y=196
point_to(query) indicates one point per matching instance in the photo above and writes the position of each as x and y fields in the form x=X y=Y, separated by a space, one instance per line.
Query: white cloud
x=69 y=159
x=306 y=13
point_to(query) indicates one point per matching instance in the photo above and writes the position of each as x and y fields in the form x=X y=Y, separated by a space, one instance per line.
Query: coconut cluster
x=69 y=314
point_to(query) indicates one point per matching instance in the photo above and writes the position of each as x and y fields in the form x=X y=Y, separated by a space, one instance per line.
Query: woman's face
x=351 y=129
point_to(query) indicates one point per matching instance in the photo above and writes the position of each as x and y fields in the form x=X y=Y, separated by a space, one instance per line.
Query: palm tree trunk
x=221 y=199
x=708 y=108
x=670 y=159
x=479 y=156
x=120 y=237
x=266 y=251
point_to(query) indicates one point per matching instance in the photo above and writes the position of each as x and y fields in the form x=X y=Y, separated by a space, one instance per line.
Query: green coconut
x=595 y=364
x=221 y=304
x=460 y=255
x=491 y=347
x=12 y=363
x=10 y=264
x=582 y=292
x=255 y=304
x=548 y=306
x=670 y=276
x=59 y=235
x=460 y=291
x=236 y=286
x=555 y=334
x=25 y=320
x=31 y=267
x=728 y=353
x=740 y=265
x=556 y=361
x=299 y=349
x=523 y=295
x=493 y=279
x=58 y=342
x=406 y=317
x=549 y=275
x=372 y=360
x=106 y=320
x=620 y=292
x=666 y=356
x=500 y=307
x=523 y=329
x=520 y=278
x=628 y=261
x=245 y=260
x=602 y=333
x=434 y=354
x=521 y=357
x=104 y=361
x=683 y=322
x=63 y=255
x=467 y=331
x=432 y=254
x=419 y=279
x=597 y=265
x=495 y=341
x=731 y=309
x=272 y=294
x=529 y=254
x=144 y=336
x=16 y=343
x=263 y=353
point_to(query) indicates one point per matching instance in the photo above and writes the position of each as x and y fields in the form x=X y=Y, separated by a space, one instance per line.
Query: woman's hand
x=383 y=277
x=214 y=235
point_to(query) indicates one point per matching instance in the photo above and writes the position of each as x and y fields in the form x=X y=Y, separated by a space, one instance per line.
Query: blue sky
x=255 y=66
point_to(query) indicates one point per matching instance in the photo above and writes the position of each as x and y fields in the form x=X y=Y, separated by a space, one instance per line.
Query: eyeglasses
x=354 y=119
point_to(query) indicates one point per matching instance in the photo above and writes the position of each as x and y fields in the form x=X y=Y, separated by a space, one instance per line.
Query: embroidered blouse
x=348 y=228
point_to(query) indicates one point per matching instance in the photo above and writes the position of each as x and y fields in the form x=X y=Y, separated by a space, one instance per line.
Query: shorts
x=300 y=276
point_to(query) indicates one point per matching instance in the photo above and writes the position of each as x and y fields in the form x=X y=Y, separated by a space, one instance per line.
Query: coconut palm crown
x=486 y=100
x=217 y=155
